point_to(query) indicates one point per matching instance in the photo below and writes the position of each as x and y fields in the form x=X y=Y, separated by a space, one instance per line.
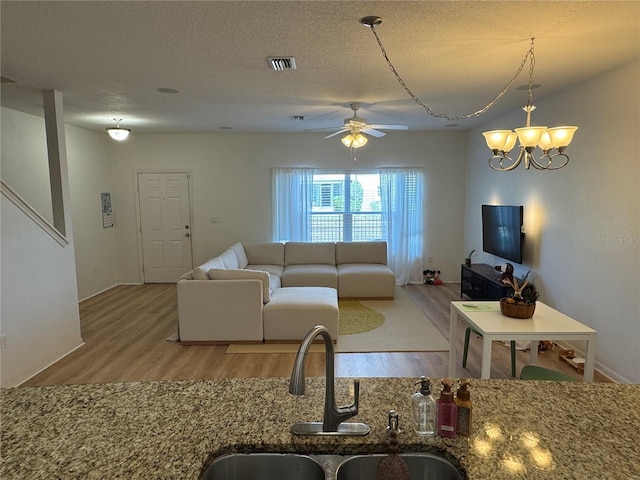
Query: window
x=354 y=206
x=346 y=207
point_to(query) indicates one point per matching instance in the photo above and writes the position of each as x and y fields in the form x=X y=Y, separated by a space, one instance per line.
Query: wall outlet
x=3 y=341
x=429 y=259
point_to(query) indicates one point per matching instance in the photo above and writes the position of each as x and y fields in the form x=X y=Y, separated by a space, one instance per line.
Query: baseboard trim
x=106 y=290
x=43 y=365
x=601 y=369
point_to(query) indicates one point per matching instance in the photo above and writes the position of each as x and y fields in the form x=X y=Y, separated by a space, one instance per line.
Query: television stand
x=483 y=282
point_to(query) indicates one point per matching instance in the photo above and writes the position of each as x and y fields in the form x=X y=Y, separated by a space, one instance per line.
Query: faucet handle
x=356 y=396
x=353 y=408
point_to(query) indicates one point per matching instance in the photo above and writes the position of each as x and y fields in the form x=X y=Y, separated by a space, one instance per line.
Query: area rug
x=405 y=329
x=357 y=318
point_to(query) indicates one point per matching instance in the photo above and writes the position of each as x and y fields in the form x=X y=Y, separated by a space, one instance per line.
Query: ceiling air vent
x=280 y=64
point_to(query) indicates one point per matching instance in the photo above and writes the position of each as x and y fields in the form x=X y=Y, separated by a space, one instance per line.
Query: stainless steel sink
x=264 y=466
x=423 y=466
x=290 y=466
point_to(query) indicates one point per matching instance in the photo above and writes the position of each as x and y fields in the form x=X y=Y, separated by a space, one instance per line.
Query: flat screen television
x=502 y=233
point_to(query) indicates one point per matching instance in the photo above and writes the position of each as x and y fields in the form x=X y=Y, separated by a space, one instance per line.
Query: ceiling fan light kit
x=501 y=142
x=356 y=140
x=357 y=129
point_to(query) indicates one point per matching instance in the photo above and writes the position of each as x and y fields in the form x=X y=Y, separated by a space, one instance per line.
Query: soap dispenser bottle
x=463 y=401
x=447 y=411
x=423 y=409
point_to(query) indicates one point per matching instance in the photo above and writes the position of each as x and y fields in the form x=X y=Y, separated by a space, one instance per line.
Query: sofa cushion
x=272 y=269
x=238 y=249
x=303 y=253
x=310 y=276
x=264 y=253
x=242 y=274
x=361 y=252
x=229 y=259
x=292 y=312
x=202 y=272
x=274 y=282
x=365 y=280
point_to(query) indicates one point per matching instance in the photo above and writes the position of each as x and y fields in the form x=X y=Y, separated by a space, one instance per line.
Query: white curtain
x=292 y=200
x=401 y=192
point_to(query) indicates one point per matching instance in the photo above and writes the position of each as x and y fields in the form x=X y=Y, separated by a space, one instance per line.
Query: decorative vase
x=514 y=310
x=467 y=262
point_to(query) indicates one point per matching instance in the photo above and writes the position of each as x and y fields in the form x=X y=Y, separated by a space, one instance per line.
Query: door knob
x=187 y=235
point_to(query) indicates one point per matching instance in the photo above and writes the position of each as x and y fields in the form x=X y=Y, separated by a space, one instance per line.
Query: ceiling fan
x=356 y=126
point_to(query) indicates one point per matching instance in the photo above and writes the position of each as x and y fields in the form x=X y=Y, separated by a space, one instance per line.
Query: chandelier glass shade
x=118 y=133
x=354 y=140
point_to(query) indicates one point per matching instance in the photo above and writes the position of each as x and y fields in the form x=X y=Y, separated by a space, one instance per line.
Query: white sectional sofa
x=229 y=298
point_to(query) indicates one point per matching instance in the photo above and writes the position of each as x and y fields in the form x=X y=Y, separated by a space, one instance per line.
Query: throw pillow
x=202 y=272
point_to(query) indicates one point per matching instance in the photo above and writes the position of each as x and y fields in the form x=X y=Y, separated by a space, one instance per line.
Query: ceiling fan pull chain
x=477 y=113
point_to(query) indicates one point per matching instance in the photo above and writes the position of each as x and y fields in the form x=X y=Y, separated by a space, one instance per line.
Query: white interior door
x=165 y=226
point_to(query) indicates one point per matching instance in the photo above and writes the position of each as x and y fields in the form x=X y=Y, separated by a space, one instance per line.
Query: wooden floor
x=125 y=331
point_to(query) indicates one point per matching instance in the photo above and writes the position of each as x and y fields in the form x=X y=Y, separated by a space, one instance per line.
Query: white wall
x=232 y=181
x=89 y=159
x=25 y=165
x=582 y=222
x=38 y=289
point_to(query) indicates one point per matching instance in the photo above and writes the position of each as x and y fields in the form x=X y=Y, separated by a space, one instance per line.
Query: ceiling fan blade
x=389 y=127
x=372 y=132
x=337 y=133
x=322 y=129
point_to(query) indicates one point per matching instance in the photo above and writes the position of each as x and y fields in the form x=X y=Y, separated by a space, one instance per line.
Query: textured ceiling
x=108 y=58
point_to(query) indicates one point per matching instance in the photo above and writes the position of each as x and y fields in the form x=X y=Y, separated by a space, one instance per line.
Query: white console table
x=546 y=324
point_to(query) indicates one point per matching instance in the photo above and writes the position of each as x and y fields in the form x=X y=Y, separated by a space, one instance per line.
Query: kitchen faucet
x=333 y=415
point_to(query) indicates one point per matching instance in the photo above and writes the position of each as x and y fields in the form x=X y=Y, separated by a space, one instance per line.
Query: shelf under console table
x=483 y=282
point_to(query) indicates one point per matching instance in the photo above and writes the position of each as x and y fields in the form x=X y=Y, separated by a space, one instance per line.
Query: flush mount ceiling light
x=118 y=133
x=501 y=142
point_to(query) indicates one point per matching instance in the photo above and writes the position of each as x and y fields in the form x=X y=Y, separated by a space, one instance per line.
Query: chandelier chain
x=528 y=55
x=532 y=63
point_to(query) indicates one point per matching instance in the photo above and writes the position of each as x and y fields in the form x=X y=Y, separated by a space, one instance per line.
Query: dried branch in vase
x=522 y=294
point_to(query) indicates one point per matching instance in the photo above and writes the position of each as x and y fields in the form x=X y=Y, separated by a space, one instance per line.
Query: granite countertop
x=170 y=430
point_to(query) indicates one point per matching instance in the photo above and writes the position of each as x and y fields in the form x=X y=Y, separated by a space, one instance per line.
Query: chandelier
x=552 y=141
x=501 y=142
